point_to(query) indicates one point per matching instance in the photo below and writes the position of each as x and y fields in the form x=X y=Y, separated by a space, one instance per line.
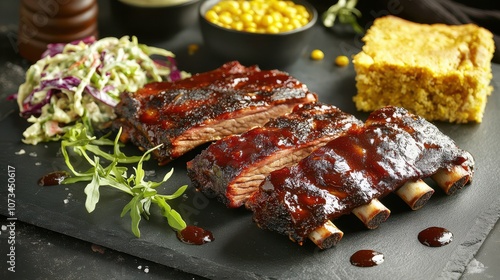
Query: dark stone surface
x=58 y=240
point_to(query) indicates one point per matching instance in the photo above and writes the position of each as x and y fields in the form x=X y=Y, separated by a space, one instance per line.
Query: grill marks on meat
x=206 y=107
x=234 y=167
x=392 y=148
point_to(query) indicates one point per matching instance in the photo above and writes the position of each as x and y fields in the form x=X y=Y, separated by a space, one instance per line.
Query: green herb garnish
x=80 y=140
x=345 y=12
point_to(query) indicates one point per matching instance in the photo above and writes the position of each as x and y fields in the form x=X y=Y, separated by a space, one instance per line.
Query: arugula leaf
x=80 y=141
x=135 y=214
x=174 y=218
x=92 y=190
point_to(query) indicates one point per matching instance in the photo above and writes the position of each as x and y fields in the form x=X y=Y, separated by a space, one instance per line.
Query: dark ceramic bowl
x=265 y=50
x=154 y=22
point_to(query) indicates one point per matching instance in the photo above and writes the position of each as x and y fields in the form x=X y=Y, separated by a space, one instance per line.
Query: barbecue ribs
x=184 y=114
x=233 y=167
x=393 y=148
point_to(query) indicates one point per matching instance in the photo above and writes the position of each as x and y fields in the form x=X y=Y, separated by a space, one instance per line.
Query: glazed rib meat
x=184 y=114
x=233 y=167
x=365 y=164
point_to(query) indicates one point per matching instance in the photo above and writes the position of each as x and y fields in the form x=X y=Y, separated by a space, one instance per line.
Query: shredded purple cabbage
x=175 y=74
x=30 y=109
x=56 y=48
x=55 y=86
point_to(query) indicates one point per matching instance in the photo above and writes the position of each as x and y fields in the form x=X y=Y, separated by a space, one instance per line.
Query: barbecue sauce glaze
x=195 y=235
x=366 y=258
x=435 y=237
x=223 y=167
x=53 y=178
x=214 y=94
x=431 y=236
x=392 y=148
x=161 y=112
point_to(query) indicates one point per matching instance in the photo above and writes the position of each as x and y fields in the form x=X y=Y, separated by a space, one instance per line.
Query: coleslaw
x=86 y=77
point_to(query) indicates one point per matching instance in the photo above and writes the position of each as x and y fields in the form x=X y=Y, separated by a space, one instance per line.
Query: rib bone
x=326 y=236
x=415 y=193
x=451 y=180
x=372 y=214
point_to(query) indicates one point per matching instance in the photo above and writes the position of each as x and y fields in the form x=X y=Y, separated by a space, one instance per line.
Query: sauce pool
x=53 y=178
x=435 y=237
x=367 y=258
x=195 y=235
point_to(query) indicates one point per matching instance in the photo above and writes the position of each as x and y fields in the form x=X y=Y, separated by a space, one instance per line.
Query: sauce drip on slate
x=367 y=258
x=195 y=235
x=53 y=178
x=435 y=236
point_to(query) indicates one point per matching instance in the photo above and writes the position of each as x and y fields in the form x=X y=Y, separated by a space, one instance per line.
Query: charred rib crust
x=165 y=113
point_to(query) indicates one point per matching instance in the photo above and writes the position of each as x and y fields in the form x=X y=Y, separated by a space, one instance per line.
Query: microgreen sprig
x=344 y=12
x=81 y=141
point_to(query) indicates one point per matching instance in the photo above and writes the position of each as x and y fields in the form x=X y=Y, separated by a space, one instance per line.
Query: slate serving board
x=240 y=249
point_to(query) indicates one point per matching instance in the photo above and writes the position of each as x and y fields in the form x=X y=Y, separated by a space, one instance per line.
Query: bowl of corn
x=268 y=33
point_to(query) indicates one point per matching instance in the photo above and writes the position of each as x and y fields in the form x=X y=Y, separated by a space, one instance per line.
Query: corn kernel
x=278 y=25
x=245 y=6
x=272 y=29
x=266 y=20
x=276 y=16
x=287 y=27
x=251 y=25
x=251 y=29
x=192 y=49
x=290 y=11
x=226 y=19
x=212 y=16
x=237 y=25
x=246 y=17
x=317 y=55
x=296 y=23
x=342 y=60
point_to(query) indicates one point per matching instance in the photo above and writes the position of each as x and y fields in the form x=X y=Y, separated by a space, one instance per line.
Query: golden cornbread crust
x=440 y=72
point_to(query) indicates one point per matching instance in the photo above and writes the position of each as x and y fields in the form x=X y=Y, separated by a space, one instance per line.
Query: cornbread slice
x=440 y=72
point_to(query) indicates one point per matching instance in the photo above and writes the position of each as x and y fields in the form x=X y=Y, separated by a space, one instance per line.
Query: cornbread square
x=440 y=72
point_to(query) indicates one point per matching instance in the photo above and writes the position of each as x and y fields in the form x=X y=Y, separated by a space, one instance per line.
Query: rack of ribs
x=232 y=168
x=184 y=114
x=393 y=152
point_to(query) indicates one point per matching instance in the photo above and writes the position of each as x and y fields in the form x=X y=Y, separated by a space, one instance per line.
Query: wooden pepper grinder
x=55 y=21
